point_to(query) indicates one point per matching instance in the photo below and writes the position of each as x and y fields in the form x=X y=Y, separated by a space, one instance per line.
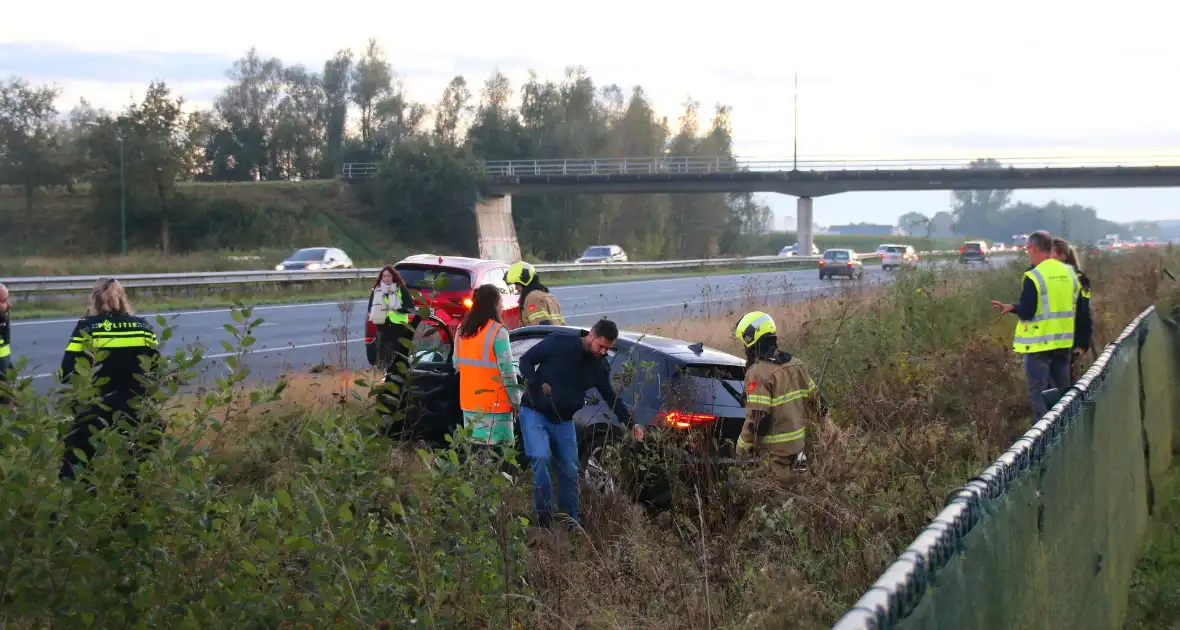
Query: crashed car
x=692 y=392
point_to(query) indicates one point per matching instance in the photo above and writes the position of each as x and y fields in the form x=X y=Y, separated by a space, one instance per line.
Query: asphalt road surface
x=296 y=337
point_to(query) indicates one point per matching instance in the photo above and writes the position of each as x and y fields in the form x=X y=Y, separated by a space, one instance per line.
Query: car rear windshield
x=702 y=386
x=430 y=278
x=895 y=250
x=836 y=255
x=311 y=253
x=596 y=252
x=971 y=247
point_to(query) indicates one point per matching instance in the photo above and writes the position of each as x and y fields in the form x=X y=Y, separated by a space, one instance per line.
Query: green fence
x=1048 y=535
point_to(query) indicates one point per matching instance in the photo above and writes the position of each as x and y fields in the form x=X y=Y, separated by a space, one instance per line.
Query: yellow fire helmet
x=753 y=326
x=520 y=273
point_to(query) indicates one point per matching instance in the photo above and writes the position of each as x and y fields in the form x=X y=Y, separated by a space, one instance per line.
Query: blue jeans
x=1046 y=370
x=548 y=442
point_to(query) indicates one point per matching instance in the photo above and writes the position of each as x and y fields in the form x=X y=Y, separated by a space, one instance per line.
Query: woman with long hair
x=123 y=350
x=390 y=307
x=1083 y=320
x=489 y=391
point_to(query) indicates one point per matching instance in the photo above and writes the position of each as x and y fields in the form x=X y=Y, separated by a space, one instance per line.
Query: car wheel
x=822 y=276
x=595 y=473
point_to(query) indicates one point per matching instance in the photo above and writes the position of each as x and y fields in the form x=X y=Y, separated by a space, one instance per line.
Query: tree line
x=279 y=121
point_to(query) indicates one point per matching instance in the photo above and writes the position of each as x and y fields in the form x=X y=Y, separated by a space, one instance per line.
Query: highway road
x=297 y=337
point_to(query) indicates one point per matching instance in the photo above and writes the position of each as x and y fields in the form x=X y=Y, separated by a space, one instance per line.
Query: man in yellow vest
x=1047 y=309
x=5 y=342
x=538 y=307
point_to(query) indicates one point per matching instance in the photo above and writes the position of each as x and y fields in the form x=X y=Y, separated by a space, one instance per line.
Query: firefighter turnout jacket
x=1052 y=326
x=540 y=307
x=778 y=386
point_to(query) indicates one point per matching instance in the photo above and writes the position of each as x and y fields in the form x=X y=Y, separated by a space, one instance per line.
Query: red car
x=446 y=284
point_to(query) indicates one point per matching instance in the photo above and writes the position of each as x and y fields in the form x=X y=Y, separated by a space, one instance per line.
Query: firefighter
x=538 y=307
x=781 y=398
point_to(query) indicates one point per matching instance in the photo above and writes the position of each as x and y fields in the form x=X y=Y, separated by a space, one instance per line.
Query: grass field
x=274 y=507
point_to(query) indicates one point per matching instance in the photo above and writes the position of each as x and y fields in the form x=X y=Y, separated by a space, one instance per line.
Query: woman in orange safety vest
x=489 y=391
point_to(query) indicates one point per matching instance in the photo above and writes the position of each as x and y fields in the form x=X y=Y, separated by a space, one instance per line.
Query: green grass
x=1155 y=591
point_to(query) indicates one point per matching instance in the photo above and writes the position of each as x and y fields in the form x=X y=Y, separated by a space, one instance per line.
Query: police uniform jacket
x=128 y=342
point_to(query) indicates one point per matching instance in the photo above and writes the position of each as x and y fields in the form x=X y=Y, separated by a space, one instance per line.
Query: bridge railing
x=729 y=164
x=62 y=284
x=1048 y=535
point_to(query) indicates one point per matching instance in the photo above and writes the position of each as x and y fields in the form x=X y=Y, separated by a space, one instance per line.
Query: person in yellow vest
x=390 y=307
x=781 y=398
x=489 y=391
x=1047 y=309
x=538 y=307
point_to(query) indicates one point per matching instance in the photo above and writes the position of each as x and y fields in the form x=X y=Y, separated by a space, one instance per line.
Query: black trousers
x=90 y=424
x=390 y=346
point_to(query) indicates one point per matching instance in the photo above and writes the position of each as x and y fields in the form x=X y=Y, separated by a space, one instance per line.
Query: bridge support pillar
x=803 y=237
x=495 y=230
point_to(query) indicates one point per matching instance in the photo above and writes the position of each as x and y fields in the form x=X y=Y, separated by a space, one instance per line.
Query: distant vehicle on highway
x=975 y=252
x=793 y=250
x=894 y=256
x=603 y=254
x=841 y=262
x=316 y=258
x=692 y=392
x=446 y=284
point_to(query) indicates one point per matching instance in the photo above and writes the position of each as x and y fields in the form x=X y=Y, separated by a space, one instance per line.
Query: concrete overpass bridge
x=804 y=179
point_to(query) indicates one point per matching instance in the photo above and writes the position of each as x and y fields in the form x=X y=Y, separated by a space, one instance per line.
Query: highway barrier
x=1049 y=534
x=63 y=284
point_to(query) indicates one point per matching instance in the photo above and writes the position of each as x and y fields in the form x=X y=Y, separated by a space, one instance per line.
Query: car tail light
x=850 y=263
x=821 y=263
x=962 y=250
x=467 y=302
x=686 y=420
x=370 y=331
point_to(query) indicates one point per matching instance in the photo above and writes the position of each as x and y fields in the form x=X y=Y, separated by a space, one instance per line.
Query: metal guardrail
x=729 y=164
x=34 y=284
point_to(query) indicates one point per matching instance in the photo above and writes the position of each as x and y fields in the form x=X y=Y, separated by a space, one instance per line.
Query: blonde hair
x=108 y=296
x=1068 y=254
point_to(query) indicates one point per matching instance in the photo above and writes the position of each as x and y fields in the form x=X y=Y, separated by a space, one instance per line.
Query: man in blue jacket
x=558 y=371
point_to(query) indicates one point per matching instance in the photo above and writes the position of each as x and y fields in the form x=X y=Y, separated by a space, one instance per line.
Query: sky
x=909 y=79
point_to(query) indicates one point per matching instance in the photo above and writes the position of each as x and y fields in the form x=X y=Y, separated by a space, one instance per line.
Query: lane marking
x=171 y=314
x=222 y=328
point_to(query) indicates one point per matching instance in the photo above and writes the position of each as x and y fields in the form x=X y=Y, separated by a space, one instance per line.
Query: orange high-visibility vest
x=480 y=387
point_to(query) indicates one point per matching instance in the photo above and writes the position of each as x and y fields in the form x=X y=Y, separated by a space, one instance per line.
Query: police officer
x=121 y=342
x=781 y=398
x=1047 y=310
x=5 y=343
x=538 y=307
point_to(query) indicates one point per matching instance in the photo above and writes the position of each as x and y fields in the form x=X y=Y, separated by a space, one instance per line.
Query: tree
x=974 y=210
x=452 y=109
x=30 y=138
x=337 y=86
x=372 y=81
x=913 y=222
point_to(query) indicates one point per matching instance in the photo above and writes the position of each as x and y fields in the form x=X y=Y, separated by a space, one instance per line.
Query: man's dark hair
x=1041 y=241
x=606 y=329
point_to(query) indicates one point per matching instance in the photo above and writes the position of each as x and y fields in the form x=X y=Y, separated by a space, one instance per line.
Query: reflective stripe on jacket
x=481 y=388
x=541 y=307
x=1052 y=327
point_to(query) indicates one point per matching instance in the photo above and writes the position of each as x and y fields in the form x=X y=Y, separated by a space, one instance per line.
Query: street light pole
x=122 y=198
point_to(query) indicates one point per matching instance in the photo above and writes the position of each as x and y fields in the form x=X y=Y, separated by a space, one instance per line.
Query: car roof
x=681 y=350
x=839 y=249
x=892 y=245
x=460 y=262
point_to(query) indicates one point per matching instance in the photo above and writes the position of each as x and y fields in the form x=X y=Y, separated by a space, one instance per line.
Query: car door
x=431 y=409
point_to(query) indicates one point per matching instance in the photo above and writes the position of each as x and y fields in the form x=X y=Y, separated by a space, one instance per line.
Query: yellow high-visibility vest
x=1057 y=296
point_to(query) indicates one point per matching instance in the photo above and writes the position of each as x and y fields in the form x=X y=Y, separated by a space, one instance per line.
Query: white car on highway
x=316 y=258
x=893 y=256
x=793 y=250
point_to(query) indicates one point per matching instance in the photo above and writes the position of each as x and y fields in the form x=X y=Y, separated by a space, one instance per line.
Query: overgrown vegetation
x=1155 y=599
x=278 y=507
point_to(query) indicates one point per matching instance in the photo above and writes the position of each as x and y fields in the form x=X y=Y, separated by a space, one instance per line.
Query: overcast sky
x=910 y=78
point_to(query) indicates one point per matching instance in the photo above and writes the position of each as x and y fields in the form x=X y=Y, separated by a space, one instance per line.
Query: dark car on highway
x=445 y=285
x=974 y=252
x=694 y=392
